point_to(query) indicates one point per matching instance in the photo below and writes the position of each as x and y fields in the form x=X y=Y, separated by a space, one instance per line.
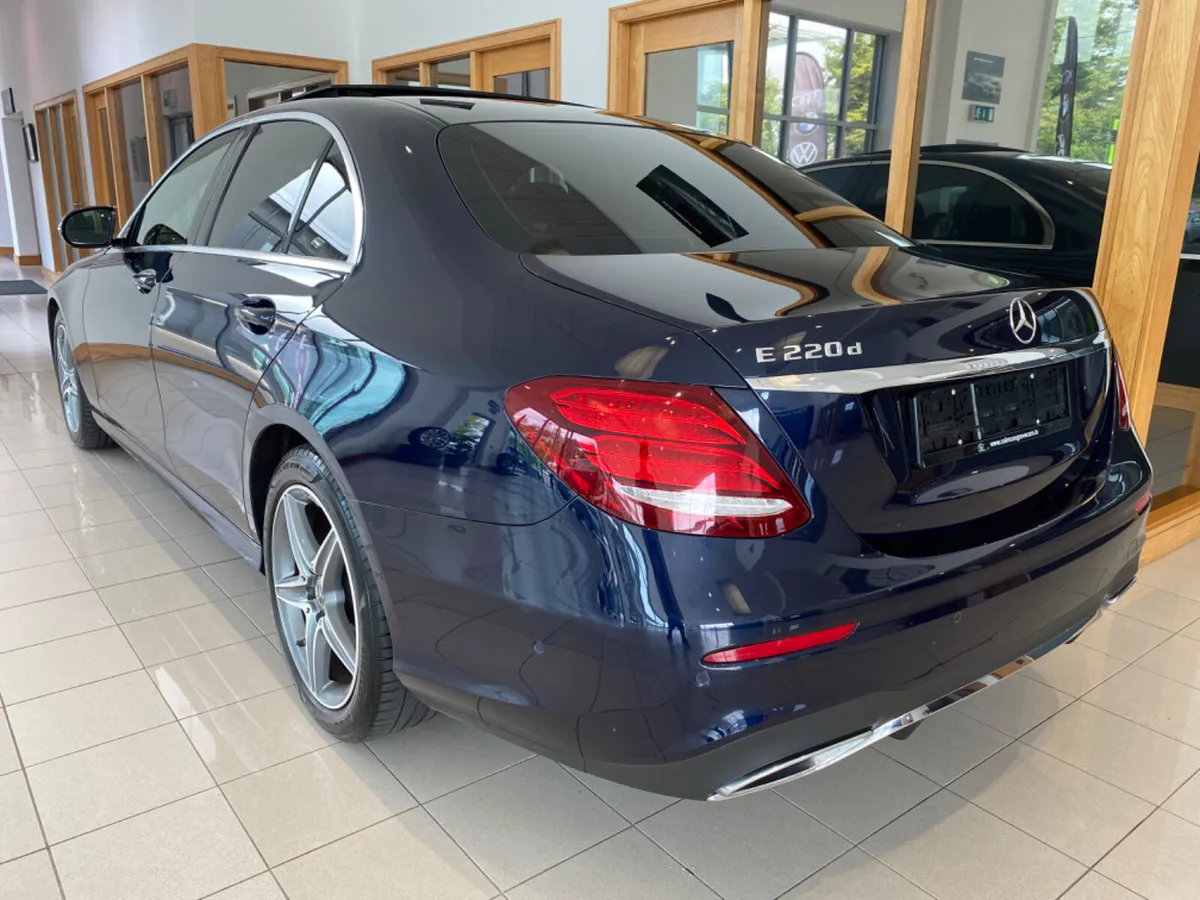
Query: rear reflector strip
x=794 y=644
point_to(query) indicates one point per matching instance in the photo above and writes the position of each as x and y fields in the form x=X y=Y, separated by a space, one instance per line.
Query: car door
x=123 y=290
x=276 y=243
x=980 y=218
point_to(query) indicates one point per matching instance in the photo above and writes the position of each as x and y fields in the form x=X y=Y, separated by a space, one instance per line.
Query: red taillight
x=1123 y=419
x=667 y=456
x=794 y=644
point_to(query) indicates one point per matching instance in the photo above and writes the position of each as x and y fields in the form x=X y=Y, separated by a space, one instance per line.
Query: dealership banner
x=807 y=141
x=1066 y=105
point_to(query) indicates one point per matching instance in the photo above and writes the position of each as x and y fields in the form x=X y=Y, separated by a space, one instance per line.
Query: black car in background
x=991 y=207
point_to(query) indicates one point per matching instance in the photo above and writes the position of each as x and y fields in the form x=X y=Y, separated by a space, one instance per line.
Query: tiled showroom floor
x=151 y=746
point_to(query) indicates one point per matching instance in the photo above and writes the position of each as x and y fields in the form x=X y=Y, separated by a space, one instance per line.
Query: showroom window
x=821 y=91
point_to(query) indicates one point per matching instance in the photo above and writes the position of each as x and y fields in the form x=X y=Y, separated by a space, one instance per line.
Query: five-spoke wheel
x=68 y=377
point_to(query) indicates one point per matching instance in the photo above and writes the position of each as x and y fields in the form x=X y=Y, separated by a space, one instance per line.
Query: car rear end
x=926 y=476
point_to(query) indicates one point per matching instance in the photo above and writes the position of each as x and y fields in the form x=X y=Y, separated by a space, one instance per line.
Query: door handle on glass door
x=145 y=280
x=256 y=313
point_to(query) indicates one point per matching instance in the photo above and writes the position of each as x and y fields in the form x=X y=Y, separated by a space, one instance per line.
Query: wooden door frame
x=426 y=57
x=52 y=182
x=747 y=72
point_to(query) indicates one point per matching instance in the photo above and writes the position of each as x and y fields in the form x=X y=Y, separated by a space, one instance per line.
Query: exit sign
x=977 y=112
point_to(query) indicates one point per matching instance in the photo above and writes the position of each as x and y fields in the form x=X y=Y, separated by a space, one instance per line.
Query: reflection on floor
x=1167 y=446
x=152 y=746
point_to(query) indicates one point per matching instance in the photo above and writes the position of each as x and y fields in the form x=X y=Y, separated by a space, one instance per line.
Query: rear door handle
x=145 y=280
x=256 y=314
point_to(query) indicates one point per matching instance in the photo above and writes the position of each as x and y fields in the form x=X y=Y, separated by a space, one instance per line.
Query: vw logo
x=1022 y=321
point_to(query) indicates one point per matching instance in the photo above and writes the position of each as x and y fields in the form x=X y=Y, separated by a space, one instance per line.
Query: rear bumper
x=581 y=637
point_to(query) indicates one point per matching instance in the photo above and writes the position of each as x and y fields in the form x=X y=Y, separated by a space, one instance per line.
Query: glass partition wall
x=142 y=119
x=521 y=61
x=59 y=139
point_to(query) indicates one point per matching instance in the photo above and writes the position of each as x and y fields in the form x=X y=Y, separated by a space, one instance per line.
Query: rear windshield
x=593 y=189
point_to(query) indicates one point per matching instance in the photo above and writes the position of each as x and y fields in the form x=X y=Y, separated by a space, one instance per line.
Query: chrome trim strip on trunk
x=861 y=381
x=811 y=761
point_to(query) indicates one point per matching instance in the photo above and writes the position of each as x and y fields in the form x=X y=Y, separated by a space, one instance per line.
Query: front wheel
x=328 y=610
x=77 y=410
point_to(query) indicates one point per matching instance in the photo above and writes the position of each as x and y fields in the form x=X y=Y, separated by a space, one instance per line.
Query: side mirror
x=89 y=227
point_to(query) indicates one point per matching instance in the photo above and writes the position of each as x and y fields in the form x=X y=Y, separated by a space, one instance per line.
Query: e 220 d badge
x=828 y=350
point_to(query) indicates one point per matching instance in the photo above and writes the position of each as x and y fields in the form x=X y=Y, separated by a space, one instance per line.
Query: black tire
x=87 y=433
x=379 y=703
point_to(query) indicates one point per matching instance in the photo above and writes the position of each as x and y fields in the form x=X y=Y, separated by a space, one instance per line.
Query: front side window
x=596 y=189
x=171 y=210
x=966 y=205
x=267 y=186
x=821 y=90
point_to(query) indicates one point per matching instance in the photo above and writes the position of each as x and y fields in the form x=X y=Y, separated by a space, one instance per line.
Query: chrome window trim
x=1189 y=255
x=1048 y=231
x=862 y=381
x=356 y=194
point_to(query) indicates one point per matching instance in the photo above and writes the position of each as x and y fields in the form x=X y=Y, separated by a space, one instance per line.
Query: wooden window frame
x=206 y=79
x=55 y=193
x=473 y=48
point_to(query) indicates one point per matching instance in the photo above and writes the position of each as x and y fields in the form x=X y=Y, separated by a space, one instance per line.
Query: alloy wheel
x=318 y=599
x=68 y=378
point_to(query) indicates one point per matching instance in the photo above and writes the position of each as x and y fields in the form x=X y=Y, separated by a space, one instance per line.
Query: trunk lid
x=925 y=420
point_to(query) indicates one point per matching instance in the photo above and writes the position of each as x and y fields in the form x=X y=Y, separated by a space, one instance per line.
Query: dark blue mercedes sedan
x=623 y=441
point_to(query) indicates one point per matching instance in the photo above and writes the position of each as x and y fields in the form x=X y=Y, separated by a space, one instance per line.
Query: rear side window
x=965 y=205
x=591 y=189
x=863 y=184
x=171 y=210
x=267 y=186
x=325 y=228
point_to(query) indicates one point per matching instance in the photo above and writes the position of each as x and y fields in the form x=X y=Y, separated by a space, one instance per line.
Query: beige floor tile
x=945 y=746
x=1094 y=886
x=263 y=731
x=118 y=566
x=71 y=492
x=29 y=878
x=196 y=684
x=628 y=866
x=207 y=848
x=183 y=523
x=1073 y=669
x=35 y=442
x=86 y=716
x=1185 y=802
x=860 y=794
x=13 y=481
x=522 y=821
x=1176 y=573
x=1015 y=705
x=629 y=802
x=86 y=513
x=160 y=594
x=258 y=608
x=404 y=858
x=96 y=787
x=952 y=849
x=19 y=501
x=260 y=887
x=1162 y=704
x=117 y=461
x=114 y=536
x=1158 y=607
x=67 y=472
x=48 y=620
x=443 y=755
x=36 y=459
x=315 y=799
x=856 y=876
x=1177 y=658
x=19 y=831
x=66 y=663
x=1158 y=860
x=162 y=638
x=9 y=761
x=161 y=501
x=1121 y=637
x=768 y=845
x=27 y=553
x=207 y=549
x=1073 y=812
x=25 y=525
x=1123 y=753
x=41 y=583
x=237 y=577
x=140 y=481
x=8 y=464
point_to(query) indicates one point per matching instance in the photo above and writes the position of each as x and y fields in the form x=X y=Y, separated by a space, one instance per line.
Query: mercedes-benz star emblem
x=1022 y=321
